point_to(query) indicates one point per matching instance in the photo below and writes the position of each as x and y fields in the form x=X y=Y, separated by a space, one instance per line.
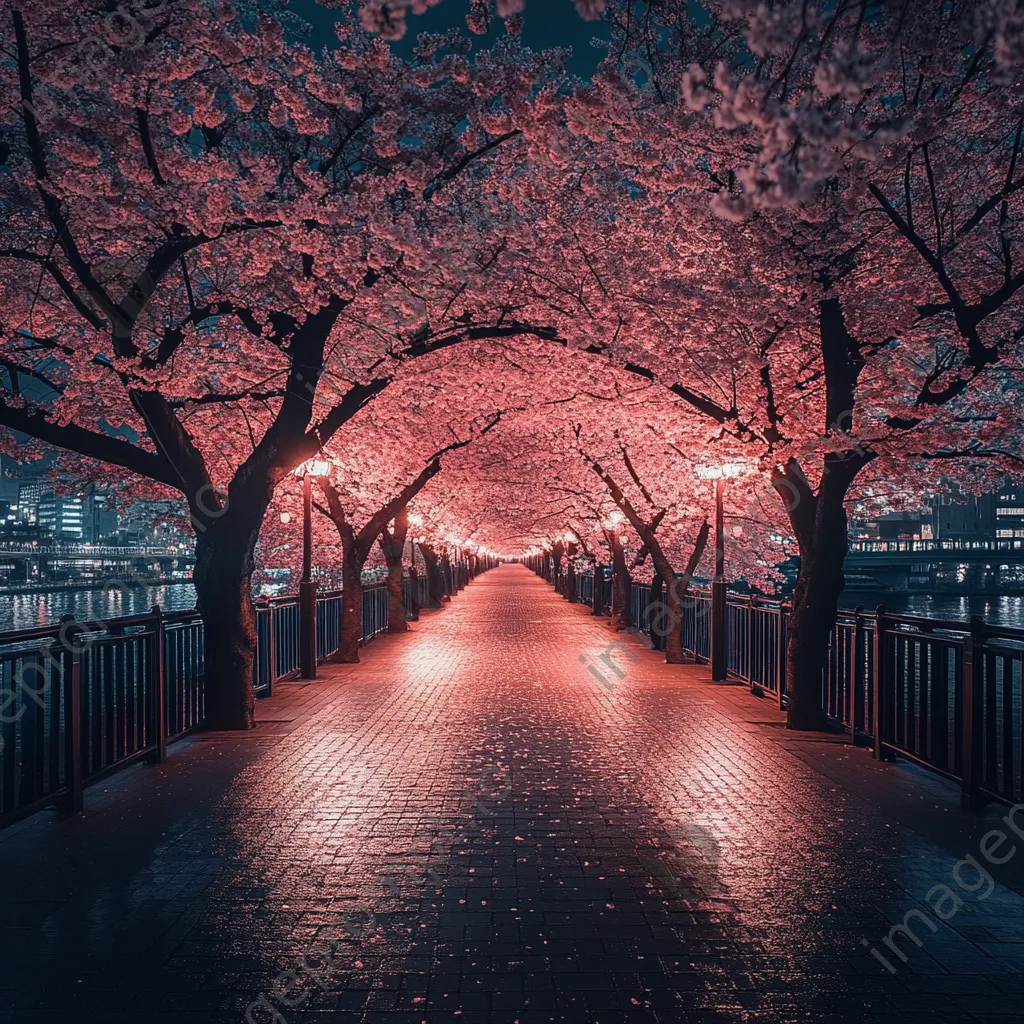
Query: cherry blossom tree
x=783 y=234
x=734 y=227
x=388 y=523
x=882 y=151
x=388 y=17
x=220 y=246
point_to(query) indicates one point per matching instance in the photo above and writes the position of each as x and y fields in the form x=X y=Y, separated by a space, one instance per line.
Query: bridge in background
x=947 y=566
x=865 y=553
x=34 y=563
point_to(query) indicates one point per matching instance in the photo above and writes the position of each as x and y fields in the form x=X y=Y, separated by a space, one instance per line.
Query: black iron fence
x=945 y=694
x=78 y=700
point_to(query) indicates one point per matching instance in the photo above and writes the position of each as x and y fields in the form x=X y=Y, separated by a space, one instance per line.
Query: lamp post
x=621 y=582
x=719 y=669
x=307 y=588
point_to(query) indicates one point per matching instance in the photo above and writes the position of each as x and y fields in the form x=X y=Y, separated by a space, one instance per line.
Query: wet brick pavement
x=487 y=821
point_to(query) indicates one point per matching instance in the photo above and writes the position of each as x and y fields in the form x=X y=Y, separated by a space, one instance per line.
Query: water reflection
x=41 y=608
x=1005 y=610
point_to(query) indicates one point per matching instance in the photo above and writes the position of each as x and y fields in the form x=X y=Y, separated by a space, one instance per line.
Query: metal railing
x=585 y=583
x=946 y=694
x=277 y=652
x=415 y=595
x=79 y=700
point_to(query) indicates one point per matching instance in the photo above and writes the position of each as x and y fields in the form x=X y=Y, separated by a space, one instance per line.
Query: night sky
x=546 y=23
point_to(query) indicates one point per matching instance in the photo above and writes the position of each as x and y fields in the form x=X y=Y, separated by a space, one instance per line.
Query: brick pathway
x=500 y=818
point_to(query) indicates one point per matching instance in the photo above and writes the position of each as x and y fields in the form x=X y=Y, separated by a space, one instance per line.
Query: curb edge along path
x=477 y=829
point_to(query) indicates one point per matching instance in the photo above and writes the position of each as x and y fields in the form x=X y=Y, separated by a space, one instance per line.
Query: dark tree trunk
x=822 y=541
x=656 y=619
x=556 y=560
x=447 y=578
x=675 y=590
x=435 y=583
x=396 y=599
x=622 y=587
x=597 y=600
x=673 y=647
x=570 y=582
x=414 y=590
x=819 y=522
x=392 y=547
x=351 y=608
x=223 y=582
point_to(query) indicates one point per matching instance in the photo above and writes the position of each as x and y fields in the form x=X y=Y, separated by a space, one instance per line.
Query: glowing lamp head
x=721 y=472
x=312 y=467
x=286 y=517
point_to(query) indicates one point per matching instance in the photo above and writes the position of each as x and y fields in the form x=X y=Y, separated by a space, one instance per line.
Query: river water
x=24 y=611
x=44 y=607
x=1007 y=610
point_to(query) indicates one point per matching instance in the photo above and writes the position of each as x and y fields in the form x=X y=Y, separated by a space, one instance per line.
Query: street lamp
x=307 y=588
x=719 y=474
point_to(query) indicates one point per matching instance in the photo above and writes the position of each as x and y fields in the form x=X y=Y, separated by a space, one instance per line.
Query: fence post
x=156 y=673
x=751 y=633
x=307 y=630
x=717 y=657
x=73 y=720
x=852 y=684
x=780 y=656
x=971 y=722
x=880 y=664
x=271 y=648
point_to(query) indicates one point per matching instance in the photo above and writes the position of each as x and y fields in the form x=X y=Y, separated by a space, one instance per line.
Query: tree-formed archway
x=784 y=247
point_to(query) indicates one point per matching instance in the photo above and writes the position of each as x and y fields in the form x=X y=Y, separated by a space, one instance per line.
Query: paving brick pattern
x=509 y=814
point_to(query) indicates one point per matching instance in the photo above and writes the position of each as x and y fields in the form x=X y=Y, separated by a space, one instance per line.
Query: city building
x=29 y=496
x=98 y=521
x=10 y=479
x=951 y=514
x=895 y=526
x=61 y=516
x=153 y=521
x=1009 y=510
x=955 y=514
x=81 y=517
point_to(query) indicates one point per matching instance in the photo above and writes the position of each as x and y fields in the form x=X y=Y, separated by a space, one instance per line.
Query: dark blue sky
x=546 y=23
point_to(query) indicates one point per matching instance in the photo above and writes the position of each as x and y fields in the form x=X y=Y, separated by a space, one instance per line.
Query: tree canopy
x=784 y=237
